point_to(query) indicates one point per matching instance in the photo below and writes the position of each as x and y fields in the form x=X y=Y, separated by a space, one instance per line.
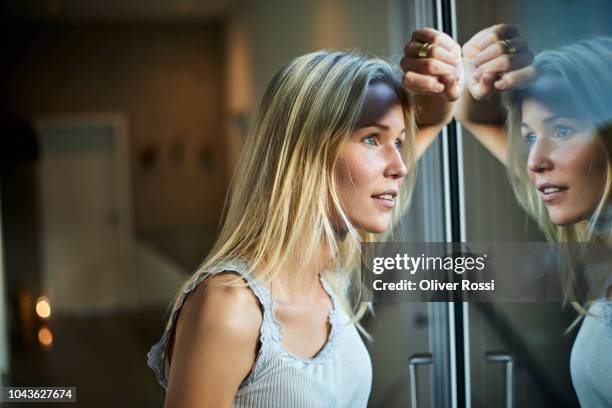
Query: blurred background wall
x=167 y=79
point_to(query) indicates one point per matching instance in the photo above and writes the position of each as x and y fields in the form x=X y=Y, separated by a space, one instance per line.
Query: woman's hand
x=432 y=65
x=433 y=74
x=496 y=59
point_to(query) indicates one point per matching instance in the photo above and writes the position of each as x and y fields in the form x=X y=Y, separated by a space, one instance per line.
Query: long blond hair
x=584 y=67
x=278 y=206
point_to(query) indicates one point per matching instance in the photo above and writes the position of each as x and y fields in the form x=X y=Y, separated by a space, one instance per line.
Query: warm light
x=45 y=338
x=43 y=308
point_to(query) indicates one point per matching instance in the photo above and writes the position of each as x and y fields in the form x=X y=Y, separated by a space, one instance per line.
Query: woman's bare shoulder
x=219 y=305
x=215 y=343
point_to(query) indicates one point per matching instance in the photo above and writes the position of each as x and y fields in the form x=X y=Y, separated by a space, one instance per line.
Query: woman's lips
x=551 y=194
x=384 y=202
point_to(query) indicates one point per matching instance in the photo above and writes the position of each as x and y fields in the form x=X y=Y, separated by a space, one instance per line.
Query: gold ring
x=424 y=50
x=507 y=44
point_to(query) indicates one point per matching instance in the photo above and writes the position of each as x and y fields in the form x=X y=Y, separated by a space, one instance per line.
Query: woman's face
x=567 y=161
x=370 y=169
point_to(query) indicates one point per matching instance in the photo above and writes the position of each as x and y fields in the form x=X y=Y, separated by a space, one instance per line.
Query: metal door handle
x=497 y=357
x=416 y=360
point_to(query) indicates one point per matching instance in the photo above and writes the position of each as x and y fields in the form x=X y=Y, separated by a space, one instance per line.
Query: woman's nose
x=395 y=166
x=539 y=160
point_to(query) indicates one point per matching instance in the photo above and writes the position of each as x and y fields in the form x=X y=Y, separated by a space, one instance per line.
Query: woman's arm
x=433 y=113
x=432 y=73
x=495 y=59
x=485 y=121
x=215 y=344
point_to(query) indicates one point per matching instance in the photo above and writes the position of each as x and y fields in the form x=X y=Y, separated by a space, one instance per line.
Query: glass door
x=516 y=353
x=413 y=352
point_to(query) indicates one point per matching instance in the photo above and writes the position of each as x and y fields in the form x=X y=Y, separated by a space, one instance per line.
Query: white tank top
x=591 y=359
x=340 y=375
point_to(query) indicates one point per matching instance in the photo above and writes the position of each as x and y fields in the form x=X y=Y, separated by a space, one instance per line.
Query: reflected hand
x=432 y=65
x=495 y=59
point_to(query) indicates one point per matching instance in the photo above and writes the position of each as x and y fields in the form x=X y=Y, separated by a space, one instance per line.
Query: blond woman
x=270 y=318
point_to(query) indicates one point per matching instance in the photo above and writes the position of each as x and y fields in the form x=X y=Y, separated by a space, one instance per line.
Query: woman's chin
x=370 y=226
x=377 y=228
x=564 y=219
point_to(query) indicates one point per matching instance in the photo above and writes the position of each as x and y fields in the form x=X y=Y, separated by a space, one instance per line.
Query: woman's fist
x=495 y=59
x=432 y=65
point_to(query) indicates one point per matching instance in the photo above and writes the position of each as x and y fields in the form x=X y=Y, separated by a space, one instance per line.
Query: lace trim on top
x=330 y=345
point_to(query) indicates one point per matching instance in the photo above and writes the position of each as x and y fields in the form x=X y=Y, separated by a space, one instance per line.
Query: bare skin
x=370 y=162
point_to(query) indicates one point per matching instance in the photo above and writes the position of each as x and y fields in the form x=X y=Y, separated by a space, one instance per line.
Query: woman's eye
x=371 y=140
x=530 y=139
x=399 y=143
x=563 y=131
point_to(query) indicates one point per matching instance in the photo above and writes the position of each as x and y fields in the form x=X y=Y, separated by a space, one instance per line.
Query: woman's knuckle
x=434 y=52
x=491 y=36
x=505 y=63
x=430 y=65
x=430 y=83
